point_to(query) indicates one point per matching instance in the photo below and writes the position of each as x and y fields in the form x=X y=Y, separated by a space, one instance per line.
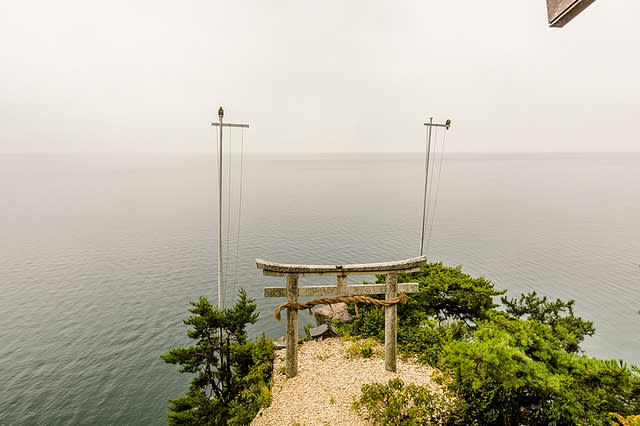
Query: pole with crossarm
x=221 y=125
x=426 y=174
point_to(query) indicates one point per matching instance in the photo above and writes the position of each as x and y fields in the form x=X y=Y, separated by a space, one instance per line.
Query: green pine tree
x=232 y=374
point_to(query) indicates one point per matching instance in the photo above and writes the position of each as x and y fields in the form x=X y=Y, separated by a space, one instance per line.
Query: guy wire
x=229 y=187
x=428 y=197
x=435 y=200
x=235 y=274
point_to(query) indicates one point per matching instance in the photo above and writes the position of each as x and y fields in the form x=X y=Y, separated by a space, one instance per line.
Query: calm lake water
x=100 y=256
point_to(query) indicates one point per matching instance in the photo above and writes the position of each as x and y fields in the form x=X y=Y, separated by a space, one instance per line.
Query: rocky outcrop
x=331 y=313
x=281 y=343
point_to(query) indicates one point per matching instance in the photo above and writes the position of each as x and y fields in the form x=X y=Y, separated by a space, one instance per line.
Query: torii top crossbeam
x=284 y=269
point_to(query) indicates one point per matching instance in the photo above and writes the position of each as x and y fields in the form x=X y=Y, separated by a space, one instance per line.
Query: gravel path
x=327 y=381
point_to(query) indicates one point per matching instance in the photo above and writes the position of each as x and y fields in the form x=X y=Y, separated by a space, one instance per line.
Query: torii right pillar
x=391 y=324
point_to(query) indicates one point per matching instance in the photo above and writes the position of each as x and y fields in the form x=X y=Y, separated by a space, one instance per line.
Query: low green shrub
x=398 y=404
x=366 y=350
x=428 y=340
x=370 y=323
x=360 y=348
x=307 y=332
x=625 y=421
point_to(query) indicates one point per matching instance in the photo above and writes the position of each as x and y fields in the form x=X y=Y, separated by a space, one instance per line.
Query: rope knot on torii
x=342 y=293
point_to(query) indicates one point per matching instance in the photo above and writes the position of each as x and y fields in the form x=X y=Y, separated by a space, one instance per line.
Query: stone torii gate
x=342 y=291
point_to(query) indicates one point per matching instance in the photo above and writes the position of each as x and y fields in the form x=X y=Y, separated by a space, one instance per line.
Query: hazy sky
x=148 y=76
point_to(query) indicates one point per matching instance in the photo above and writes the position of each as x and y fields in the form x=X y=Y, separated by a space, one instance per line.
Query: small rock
x=281 y=343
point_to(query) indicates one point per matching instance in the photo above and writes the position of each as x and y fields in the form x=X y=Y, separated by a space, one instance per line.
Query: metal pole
x=220 y=292
x=426 y=179
x=220 y=284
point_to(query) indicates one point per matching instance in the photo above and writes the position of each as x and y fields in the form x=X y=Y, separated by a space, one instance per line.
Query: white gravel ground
x=327 y=381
